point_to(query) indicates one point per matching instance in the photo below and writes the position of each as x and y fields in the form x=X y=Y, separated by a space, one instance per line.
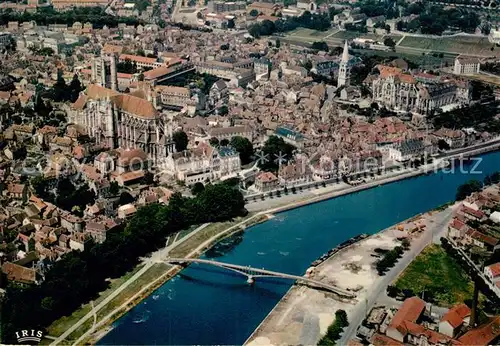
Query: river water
x=204 y=305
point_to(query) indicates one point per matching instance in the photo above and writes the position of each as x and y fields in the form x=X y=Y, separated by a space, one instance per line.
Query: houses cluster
x=414 y=323
x=475 y=229
x=36 y=233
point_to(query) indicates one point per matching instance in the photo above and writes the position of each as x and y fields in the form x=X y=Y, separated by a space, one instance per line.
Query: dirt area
x=304 y=314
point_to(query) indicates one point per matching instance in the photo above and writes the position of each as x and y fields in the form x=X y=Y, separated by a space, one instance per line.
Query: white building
x=466 y=65
x=492 y=272
x=203 y=164
x=454 y=319
x=409 y=149
x=494 y=36
x=495 y=217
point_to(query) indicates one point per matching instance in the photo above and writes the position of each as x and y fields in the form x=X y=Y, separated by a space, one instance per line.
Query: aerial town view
x=268 y=172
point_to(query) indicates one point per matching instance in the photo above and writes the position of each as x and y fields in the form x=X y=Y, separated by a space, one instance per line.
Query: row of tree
x=435 y=20
x=335 y=329
x=47 y=15
x=308 y=20
x=389 y=259
x=481 y=116
x=78 y=276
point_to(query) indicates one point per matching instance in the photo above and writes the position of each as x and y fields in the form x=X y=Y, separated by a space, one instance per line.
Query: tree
x=114 y=188
x=75 y=87
x=467 y=189
x=224 y=46
x=60 y=90
x=320 y=45
x=197 y=188
x=199 y=15
x=307 y=65
x=278 y=43
x=443 y=145
x=405 y=243
x=294 y=190
x=389 y=42
x=244 y=147
x=254 y=13
x=214 y=142
x=224 y=142
x=276 y=151
x=181 y=140
x=223 y=110
x=392 y=291
x=341 y=316
x=125 y=198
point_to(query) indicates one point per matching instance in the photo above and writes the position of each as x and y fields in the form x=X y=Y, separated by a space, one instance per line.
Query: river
x=205 y=305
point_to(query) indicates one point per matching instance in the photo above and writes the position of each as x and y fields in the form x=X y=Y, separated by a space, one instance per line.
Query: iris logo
x=32 y=335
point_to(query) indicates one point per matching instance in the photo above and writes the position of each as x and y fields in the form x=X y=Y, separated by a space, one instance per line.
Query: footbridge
x=253 y=273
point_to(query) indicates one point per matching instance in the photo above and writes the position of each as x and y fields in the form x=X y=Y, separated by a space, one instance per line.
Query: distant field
x=333 y=36
x=309 y=33
x=457 y=44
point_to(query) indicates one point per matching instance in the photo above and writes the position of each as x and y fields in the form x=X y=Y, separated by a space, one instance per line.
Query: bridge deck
x=247 y=270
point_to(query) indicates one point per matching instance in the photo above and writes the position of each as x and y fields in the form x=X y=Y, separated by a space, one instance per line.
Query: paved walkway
x=148 y=264
x=400 y=40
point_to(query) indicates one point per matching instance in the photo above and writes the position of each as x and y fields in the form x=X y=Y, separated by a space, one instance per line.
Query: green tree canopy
x=181 y=140
x=274 y=150
x=244 y=147
x=467 y=189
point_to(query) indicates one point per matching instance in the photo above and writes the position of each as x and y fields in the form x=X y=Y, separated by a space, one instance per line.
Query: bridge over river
x=253 y=273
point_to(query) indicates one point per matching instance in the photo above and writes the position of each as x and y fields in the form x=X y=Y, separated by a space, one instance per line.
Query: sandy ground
x=304 y=314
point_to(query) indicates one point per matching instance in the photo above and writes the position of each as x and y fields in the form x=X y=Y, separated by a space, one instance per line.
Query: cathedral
x=417 y=93
x=119 y=120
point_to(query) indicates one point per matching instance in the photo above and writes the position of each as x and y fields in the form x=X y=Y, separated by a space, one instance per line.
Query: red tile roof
x=495 y=269
x=477 y=213
x=383 y=340
x=483 y=335
x=456 y=315
x=410 y=311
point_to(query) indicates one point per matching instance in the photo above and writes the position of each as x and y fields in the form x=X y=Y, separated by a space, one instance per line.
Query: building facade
x=123 y=120
x=401 y=92
x=466 y=65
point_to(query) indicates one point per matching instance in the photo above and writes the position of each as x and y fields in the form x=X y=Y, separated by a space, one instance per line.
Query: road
x=148 y=264
x=433 y=234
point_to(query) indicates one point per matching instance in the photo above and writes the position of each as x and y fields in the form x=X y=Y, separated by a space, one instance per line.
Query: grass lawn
x=457 y=44
x=434 y=271
x=62 y=324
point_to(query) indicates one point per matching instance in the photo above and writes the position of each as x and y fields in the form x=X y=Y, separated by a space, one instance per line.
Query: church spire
x=345 y=54
x=344 y=69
